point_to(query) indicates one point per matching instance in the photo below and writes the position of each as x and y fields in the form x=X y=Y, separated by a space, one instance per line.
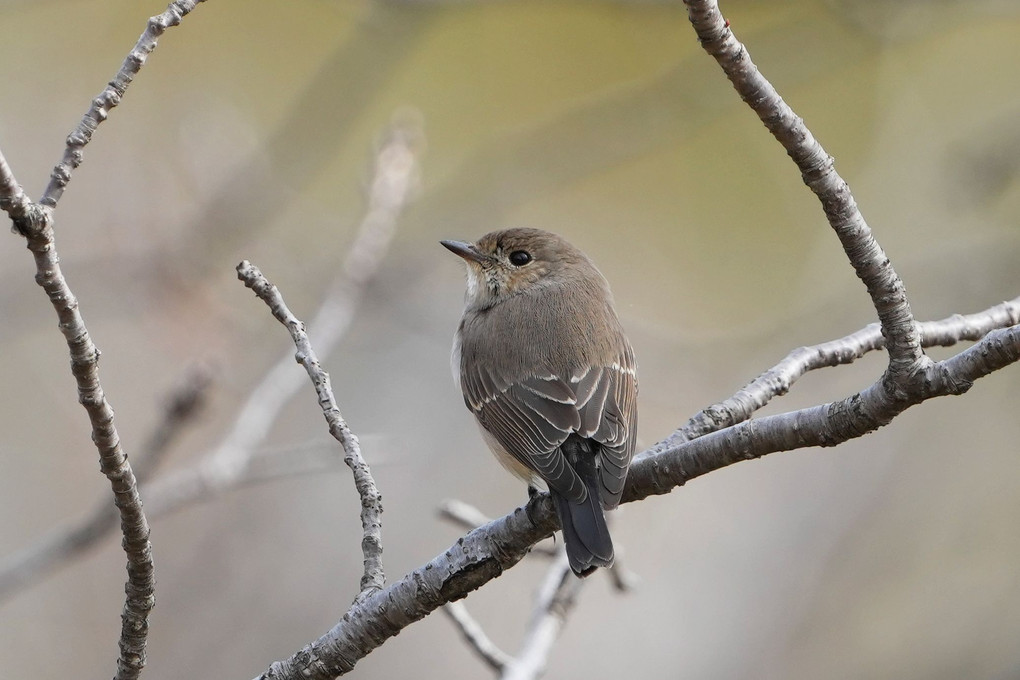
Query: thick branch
x=111 y=96
x=373 y=578
x=818 y=171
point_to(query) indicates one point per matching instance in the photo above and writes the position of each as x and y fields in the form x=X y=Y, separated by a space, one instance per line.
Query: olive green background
x=249 y=134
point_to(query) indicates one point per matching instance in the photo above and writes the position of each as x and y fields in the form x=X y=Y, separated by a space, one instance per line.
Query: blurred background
x=250 y=134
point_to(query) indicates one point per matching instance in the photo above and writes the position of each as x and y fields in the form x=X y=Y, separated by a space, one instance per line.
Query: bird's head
x=506 y=263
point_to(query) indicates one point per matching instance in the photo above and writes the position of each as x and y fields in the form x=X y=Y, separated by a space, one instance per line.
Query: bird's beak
x=466 y=250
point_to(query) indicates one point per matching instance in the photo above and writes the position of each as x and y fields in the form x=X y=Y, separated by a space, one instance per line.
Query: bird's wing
x=530 y=419
x=607 y=404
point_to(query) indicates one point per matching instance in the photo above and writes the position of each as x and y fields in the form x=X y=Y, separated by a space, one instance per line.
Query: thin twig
x=111 y=96
x=373 y=578
x=555 y=599
x=476 y=638
x=38 y=560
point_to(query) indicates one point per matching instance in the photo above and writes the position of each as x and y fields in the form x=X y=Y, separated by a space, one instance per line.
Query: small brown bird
x=546 y=369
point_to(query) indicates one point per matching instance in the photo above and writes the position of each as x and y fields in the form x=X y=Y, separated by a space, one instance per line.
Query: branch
x=667 y=466
x=818 y=172
x=162 y=497
x=36 y=225
x=111 y=96
x=393 y=181
x=476 y=638
x=780 y=378
x=556 y=598
x=373 y=578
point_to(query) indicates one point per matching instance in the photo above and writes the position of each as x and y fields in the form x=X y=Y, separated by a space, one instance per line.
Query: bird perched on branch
x=550 y=376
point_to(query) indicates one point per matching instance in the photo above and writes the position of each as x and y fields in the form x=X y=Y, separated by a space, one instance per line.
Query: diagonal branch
x=373 y=578
x=111 y=96
x=817 y=168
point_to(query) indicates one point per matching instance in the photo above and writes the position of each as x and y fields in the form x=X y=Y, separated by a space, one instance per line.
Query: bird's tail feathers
x=585 y=533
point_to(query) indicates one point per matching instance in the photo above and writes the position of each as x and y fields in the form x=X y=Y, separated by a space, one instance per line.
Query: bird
x=550 y=376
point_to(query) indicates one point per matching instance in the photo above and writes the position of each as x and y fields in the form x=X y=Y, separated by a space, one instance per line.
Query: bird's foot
x=534 y=495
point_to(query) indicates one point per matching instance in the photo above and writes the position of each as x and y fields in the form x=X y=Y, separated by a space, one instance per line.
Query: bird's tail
x=585 y=533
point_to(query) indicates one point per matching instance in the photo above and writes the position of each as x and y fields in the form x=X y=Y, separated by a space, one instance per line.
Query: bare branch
x=371 y=500
x=818 y=171
x=41 y=558
x=111 y=96
x=112 y=459
x=664 y=467
x=475 y=636
x=555 y=599
x=780 y=378
x=163 y=497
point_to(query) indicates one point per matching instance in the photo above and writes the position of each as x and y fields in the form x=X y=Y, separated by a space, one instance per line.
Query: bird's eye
x=519 y=258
